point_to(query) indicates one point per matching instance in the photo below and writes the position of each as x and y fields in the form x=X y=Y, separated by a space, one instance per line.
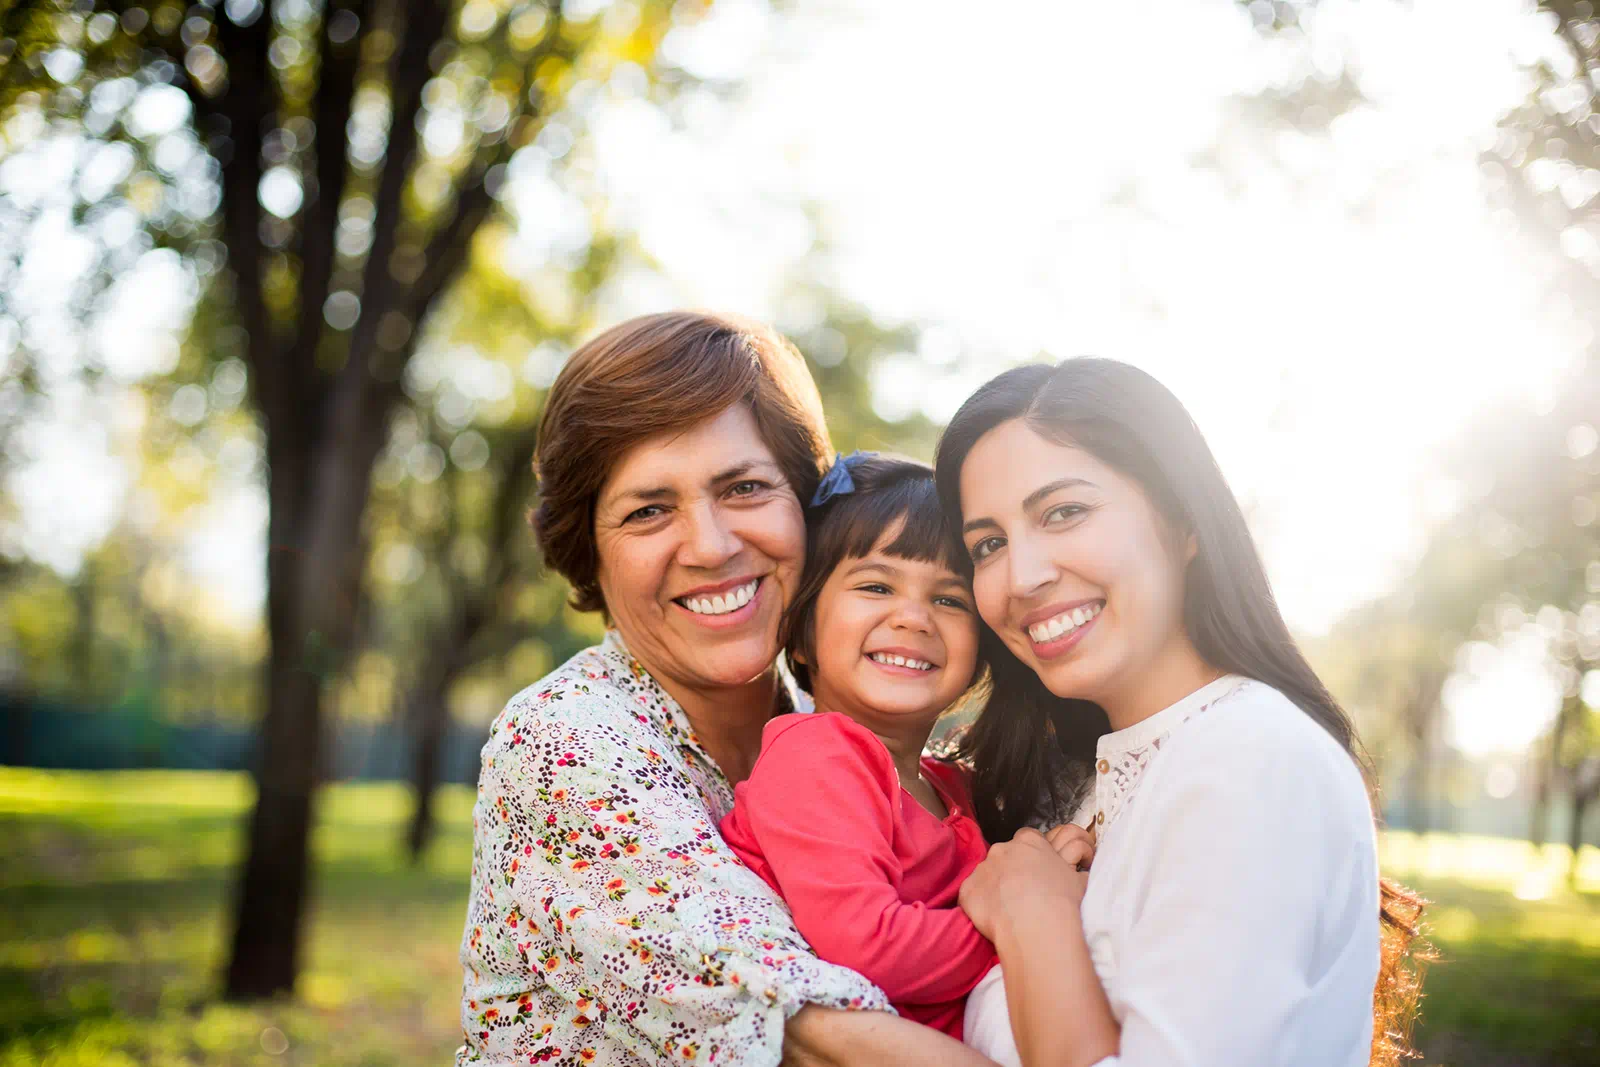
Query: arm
x=615 y=886
x=820 y=807
x=822 y=1037
x=1027 y=894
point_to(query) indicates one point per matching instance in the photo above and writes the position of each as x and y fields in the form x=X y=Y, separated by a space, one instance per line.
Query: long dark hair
x=1132 y=423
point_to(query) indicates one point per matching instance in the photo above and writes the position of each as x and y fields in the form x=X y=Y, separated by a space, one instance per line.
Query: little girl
x=867 y=840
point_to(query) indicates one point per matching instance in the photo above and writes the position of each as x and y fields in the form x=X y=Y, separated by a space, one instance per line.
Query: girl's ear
x=1191 y=548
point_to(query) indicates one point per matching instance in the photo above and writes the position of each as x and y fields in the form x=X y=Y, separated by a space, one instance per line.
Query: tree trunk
x=311 y=608
x=1544 y=770
x=272 y=887
x=83 y=638
x=430 y=717
x=1580 y=804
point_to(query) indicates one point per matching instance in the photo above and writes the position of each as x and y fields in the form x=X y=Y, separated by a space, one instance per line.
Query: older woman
x=608 y=922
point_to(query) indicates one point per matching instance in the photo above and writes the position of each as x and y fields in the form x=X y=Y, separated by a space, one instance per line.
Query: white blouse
x=1232 y=909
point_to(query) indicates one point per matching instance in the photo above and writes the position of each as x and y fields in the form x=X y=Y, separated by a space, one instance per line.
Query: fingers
x=1073 y=844
x=1068 y=832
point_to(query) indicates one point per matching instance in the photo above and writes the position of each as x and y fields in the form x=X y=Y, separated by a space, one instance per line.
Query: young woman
x=1233 y=912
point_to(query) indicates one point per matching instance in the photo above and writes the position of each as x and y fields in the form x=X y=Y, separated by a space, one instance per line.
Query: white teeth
x=732 y=600
x=1064 y=623
x=900 y=661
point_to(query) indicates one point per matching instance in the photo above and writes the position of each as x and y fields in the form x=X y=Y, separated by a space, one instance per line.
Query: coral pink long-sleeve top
x=870 y=874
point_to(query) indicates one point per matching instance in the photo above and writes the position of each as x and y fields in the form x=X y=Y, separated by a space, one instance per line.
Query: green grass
x=114 y=889
x=113 y=907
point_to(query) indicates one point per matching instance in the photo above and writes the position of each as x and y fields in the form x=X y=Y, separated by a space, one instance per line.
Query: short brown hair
x=659 y=374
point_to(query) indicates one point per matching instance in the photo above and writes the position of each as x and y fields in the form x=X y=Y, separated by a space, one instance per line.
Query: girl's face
x=895 y=639
x=1073 y=567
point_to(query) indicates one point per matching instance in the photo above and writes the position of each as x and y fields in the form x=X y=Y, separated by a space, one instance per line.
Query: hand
x=1072 y=843
x=1019 y=876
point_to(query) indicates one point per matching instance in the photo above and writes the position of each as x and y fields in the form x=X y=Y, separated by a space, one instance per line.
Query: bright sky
x=1330 y=321
x=1022 y=174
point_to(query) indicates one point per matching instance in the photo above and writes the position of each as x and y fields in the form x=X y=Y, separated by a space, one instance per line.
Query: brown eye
x=985 y=547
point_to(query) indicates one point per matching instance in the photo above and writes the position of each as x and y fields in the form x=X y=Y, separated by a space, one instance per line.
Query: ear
x=799 y=657
x=1191 y=548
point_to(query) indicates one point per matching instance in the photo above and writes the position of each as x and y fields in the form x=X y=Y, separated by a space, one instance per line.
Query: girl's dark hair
x=1133 y=424
x=889 y=491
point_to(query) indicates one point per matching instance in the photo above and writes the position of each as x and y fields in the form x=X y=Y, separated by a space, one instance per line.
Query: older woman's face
x=701 y=542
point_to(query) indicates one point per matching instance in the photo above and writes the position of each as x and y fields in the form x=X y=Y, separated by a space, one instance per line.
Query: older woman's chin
x=732 y=660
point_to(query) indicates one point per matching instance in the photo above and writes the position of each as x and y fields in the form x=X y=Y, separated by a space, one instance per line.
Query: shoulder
x=824 y=732
x=598 y=689
x=822 y=745
x=1259 y=742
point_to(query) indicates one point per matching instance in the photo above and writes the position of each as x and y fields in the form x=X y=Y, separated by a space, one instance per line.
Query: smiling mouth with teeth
x=899 y=661
x=724 y=603
x=1063 y=624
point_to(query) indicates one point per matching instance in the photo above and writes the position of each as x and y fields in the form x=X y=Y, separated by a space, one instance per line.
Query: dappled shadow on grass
x=114 y=919
x=1517 y=982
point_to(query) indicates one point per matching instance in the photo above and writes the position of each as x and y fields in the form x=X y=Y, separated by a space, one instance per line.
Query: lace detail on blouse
x=1122 y=757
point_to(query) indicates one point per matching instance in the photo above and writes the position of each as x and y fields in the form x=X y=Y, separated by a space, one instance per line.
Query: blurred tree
x=340 y=157
x=1522 y=553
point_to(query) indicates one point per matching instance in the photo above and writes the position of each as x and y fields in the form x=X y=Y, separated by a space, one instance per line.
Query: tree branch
x=409 y=74
x=247 y=105
x=448 y=248
x=1580 y=54
x=335 y=98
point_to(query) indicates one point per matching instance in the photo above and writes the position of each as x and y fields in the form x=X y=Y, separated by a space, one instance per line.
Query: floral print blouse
x=608 y=922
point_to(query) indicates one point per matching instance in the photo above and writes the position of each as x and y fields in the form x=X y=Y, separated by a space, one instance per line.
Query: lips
x=722 y=599
x=889 y=659
x=1063 y=622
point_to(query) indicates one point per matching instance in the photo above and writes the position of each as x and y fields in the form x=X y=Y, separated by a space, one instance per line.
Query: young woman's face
x=894 y=639
x=1073 y=567
x=700 y=541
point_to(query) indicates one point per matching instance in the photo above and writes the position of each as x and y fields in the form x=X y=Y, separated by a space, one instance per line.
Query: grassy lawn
x=113 y=895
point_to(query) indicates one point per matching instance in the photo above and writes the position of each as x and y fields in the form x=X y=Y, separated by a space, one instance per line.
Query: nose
x=912 y=615
x=709 y=541
x=1030 y=568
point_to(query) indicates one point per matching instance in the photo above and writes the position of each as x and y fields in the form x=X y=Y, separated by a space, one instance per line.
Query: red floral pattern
x=608 y=921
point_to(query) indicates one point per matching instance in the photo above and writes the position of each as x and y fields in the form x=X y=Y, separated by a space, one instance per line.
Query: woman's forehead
x=1013 y=461
x=708 y=451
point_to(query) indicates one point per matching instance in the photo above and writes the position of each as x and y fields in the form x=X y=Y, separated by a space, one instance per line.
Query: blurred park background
x=282 y=284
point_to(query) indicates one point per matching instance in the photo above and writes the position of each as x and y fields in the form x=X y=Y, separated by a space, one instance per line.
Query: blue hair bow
x=837 y=482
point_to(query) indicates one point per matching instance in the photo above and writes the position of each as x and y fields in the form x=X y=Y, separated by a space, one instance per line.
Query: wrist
x=1030 y=913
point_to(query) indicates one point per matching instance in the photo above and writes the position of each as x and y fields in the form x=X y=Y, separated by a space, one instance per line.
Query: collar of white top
x=1167 y=719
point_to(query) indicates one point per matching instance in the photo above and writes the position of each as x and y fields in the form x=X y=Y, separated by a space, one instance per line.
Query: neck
x=905 y=748
x=1176 y=673
x=728 y=720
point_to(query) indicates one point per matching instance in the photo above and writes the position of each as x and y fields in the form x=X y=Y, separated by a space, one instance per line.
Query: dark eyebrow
x=1037 y=497
x=647 y=495
x=739 y=470
x=1031 y=501
x=873 y=565
x=651 y=495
